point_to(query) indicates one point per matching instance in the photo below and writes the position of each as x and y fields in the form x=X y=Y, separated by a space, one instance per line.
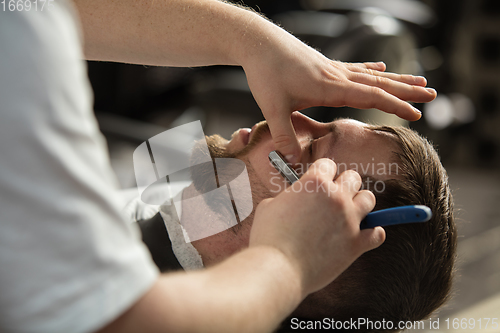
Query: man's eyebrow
x=335 y=133
x=379 y=130
x=332 y=127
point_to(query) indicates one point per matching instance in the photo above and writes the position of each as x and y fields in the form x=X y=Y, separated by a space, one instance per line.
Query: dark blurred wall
x=475 y=63
x=467 y=35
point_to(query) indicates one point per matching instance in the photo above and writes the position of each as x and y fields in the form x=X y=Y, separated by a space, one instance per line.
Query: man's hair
x=410 y=275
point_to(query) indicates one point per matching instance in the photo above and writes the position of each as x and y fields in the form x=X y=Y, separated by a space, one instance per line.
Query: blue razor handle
x=397 y=215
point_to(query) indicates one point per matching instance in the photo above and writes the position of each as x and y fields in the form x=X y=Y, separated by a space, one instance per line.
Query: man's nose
x=305 y=125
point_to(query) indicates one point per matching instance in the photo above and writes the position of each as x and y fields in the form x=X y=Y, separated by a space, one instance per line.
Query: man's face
x=349 y=143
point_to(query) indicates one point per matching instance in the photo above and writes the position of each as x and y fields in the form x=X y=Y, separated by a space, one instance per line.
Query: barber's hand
x=315 y=223
x=290 y=76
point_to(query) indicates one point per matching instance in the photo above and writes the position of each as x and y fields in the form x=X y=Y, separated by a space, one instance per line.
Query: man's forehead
x=349 y=120
x=371 y=128
x=372 y=141
x=342 y=126
x=353 y=126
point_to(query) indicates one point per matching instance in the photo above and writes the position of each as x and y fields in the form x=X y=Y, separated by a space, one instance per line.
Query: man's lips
x=244 y=134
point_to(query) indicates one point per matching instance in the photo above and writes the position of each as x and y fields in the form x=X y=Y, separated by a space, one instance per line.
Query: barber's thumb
x=372 y=238
x=285 y=140
x=323 y=167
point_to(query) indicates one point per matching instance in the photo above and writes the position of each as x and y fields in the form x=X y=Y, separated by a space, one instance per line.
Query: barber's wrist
x=288 y=267
x=255 y=39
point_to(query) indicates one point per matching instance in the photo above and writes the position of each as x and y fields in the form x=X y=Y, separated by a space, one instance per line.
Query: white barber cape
x=137 y=210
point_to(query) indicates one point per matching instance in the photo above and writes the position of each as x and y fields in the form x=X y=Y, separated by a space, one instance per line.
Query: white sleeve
x=68 y=260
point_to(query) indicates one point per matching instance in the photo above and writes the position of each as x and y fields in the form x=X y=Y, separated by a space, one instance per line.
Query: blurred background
x=455 y=44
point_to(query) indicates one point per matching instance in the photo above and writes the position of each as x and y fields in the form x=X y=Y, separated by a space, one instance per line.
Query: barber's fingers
x=323 y=171
x=371 y=238
x=349 y=182
x=365 y=202
x=377 y=66
x=283 y=134
x=372 y=70
x=363 y=96
x=406 y=91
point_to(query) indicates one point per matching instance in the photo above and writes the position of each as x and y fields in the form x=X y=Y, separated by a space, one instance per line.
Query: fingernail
x=431 y=90
x=417 y=110
x=421 y=78
x=292 y=159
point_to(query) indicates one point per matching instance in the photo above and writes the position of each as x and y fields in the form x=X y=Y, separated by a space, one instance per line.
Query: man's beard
x=202 y=172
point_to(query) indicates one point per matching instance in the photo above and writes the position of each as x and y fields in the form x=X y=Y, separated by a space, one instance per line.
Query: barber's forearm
x=251 y=291
x=172 y=32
